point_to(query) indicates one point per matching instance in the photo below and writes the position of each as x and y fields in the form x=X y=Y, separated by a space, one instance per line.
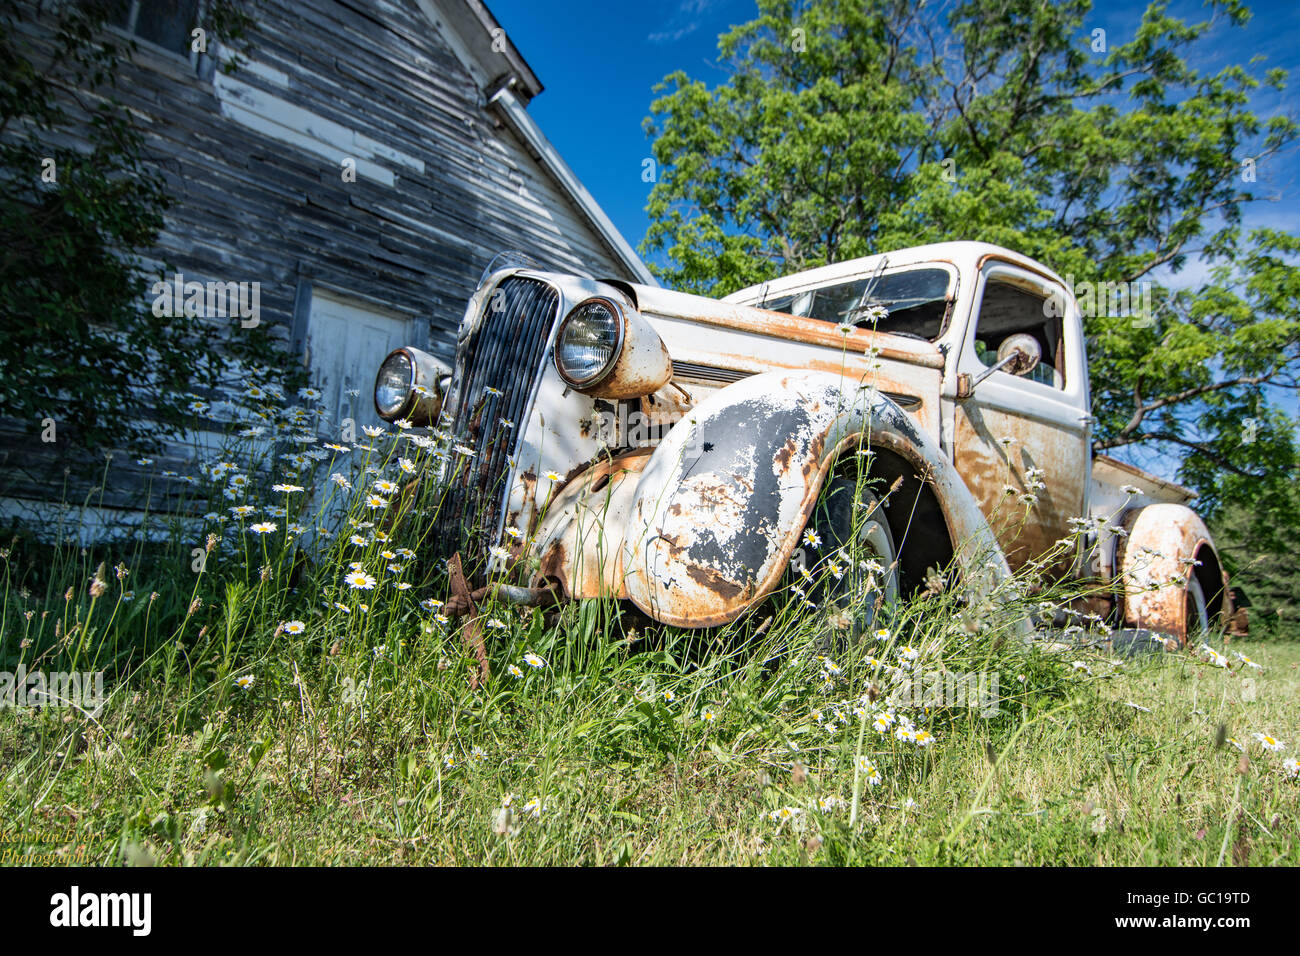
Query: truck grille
x=495 y=381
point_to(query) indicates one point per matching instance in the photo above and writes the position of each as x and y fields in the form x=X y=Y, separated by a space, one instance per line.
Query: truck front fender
x=720 y=506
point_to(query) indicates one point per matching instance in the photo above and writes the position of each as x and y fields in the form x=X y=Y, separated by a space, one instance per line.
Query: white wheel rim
x=874 y=538
x=1199 y=607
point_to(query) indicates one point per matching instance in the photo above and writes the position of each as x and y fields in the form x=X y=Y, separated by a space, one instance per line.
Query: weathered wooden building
x=362 y=164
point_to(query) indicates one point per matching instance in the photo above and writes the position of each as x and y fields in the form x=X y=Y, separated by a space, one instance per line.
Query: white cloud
x=683 y=22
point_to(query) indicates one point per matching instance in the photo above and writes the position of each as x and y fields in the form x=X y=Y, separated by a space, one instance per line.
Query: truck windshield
x=916 y=301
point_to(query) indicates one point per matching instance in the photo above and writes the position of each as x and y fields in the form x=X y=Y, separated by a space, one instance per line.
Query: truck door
x=1014 y=433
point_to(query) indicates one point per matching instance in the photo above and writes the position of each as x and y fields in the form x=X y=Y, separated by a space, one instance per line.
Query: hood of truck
x=652 y=300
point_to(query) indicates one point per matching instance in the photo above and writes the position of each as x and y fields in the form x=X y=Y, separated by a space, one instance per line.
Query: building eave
x=482 y=45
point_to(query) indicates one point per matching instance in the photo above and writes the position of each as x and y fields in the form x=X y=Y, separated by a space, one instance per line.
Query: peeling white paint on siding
x=310 y=132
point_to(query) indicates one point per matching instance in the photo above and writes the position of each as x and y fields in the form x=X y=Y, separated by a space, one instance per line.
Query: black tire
x=866 y=590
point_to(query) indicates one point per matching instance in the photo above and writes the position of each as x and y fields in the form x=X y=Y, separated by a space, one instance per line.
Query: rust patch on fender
x=785 y=455
x=553 y=566
x=727 y=590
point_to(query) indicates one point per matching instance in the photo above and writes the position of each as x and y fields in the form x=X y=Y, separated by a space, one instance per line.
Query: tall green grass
x=297 y=695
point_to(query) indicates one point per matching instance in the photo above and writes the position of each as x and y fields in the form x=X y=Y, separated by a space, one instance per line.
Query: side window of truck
x=1006 y=310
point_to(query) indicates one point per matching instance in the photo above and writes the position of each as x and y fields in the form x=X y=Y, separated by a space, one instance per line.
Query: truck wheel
x=1198 y=610
x=832 y=523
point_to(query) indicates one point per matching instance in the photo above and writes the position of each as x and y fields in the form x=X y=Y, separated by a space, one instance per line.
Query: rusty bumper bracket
x=521 y=597
x=463 y=602
x=472 y=633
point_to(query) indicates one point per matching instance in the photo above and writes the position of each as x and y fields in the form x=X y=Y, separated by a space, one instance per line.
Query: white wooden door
x=346 y=342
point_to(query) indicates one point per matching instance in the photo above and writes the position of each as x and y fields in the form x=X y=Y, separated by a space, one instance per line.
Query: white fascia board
x=517 y=118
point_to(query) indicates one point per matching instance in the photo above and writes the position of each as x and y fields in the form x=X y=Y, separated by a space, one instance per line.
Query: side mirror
x=1018 y=354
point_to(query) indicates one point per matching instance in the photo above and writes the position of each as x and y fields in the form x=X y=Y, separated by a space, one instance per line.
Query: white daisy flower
x=869 y=771
x=1269 y=743
x=359 y=580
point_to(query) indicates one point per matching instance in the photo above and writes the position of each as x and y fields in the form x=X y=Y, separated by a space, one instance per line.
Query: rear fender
x=1159 y=555
x=721 y=504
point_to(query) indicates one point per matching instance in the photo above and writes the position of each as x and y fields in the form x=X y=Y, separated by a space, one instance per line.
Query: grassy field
x=283 y=695
x=388 y=757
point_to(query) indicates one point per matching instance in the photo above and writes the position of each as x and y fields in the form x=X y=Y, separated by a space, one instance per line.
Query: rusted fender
x=721 y=504
x=1157 y=560
x=580 y=534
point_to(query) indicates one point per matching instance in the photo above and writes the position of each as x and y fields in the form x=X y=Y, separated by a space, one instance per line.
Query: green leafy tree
x=1260 y=558
x=846 y=129
x=80 y=202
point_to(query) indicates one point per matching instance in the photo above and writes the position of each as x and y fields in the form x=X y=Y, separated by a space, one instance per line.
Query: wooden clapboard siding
x=442 y=185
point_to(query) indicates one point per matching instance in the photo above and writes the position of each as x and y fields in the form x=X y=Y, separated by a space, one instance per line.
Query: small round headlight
x=588 y=342
x=411 y=385
x=393 y=384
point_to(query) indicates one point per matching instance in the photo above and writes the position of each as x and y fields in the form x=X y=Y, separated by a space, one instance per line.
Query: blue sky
x=599 y=64
x=600 y=61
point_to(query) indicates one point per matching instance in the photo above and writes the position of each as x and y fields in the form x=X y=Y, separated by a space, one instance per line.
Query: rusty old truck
x=608 y=439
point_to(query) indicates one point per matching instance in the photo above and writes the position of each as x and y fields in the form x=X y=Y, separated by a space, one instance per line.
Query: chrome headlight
x=589 y=342
x=608 y=350
x=393 y=384
x=410 y=386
